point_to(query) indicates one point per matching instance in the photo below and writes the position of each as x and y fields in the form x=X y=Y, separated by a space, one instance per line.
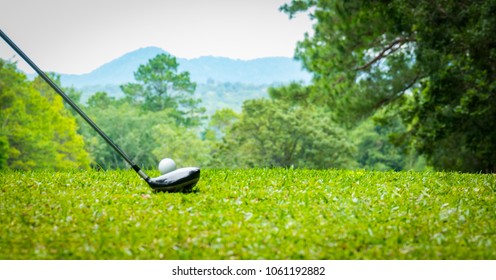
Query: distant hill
x=115 y=72
x=220 y=69
x=222 y=82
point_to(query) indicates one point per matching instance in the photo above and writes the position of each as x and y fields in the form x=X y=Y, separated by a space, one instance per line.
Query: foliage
x=146 y=136
x=157 y=118
x=433 y=61
x=273 y=133
x=375 y=143
x=214 y=95
x=181 y=144
x=249 y=214
x=294 y=93
x=4 y=151
x=218 y=95
x=222 y=121
x=37 y=131
x=161 y=87
x=124 y=125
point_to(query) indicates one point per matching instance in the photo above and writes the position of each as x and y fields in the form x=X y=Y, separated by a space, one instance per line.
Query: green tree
x=161 y=86
x=375 y=140
x=181 y=144
x=293 y=93
x=4 y=150
x=273 y=133
x=68 y=144
x=40 y=132
x=101 y=100
x=222 y=120
x=433 y=61
x=146 y=136
x=128 y=126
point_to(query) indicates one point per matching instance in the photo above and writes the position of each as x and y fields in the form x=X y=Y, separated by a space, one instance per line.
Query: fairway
x=249 y=214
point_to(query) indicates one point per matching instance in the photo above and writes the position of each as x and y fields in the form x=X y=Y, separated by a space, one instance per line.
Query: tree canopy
x=278 y=133
x=433 y=62
x=36 y=129
x=160 y=86
x=157 y=118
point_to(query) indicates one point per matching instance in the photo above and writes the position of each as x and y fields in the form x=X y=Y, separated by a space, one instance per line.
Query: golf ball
x=166 y=165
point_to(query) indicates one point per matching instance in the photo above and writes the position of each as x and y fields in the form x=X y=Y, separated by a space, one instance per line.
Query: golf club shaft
x=73 y=105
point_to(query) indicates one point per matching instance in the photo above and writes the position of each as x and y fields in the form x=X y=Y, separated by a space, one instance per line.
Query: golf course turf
x=249 y=214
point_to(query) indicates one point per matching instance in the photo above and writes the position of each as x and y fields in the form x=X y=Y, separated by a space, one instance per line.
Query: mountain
x=220 y=69
x=115 y=72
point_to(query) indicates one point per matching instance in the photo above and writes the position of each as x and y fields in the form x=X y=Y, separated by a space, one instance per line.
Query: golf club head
x=179 y=180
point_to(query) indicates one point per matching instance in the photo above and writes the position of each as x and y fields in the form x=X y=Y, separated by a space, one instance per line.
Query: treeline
x=396 y=85
x=160 y=116
x=215 y=95
x=219 y=95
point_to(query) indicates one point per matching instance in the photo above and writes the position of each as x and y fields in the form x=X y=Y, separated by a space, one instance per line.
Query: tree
x=157 y=118
x=68 y=144
x=293 y=93
x=127 y=126
x=39 y=131
x=181 y=144
x=433 y=61
x=375 y=143
x=273 y=133
x=101 y=100
x=4 y=150
x=222 y=120
x=146 y=136
x=160 y=87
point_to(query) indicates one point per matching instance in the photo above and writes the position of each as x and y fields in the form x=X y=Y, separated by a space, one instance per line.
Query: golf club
x=179 y=180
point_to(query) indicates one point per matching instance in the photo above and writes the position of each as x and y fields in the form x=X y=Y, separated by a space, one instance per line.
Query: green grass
x=249 y=214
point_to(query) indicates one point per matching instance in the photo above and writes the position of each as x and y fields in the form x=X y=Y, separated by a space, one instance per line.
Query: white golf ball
x=166 y=165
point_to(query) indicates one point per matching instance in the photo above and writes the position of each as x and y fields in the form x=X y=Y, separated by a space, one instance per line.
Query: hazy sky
x=77 y=36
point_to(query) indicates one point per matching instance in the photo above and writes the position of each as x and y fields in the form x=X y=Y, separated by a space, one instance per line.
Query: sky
x=78 y=36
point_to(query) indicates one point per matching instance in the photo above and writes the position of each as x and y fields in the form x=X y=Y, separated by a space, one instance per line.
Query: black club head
x=179 y=180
